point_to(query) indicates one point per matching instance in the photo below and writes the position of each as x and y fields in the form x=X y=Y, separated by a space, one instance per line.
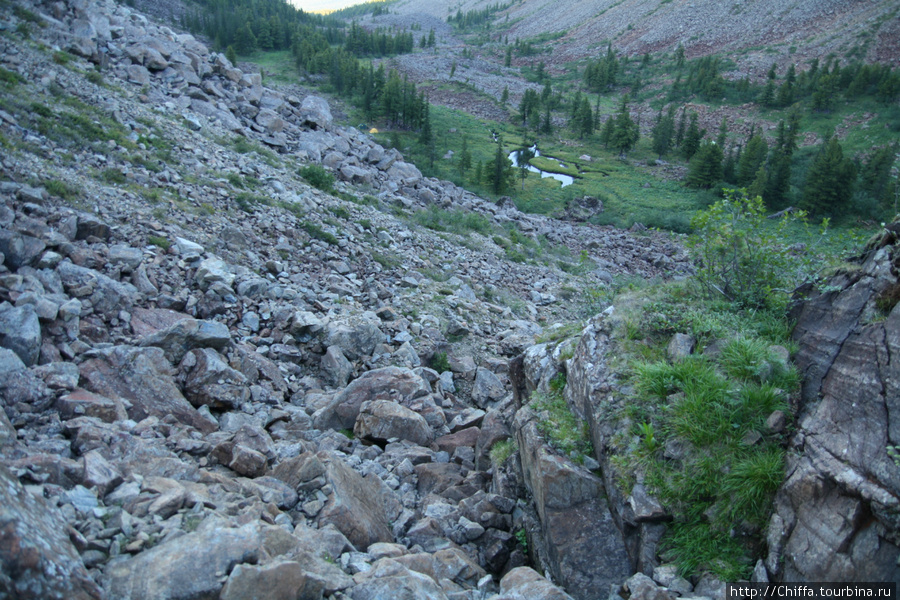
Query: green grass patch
x=318 y=177
x=564 y=431
x=64 y=190
x=501 y=451
x=552 y=166
x=711 y=407
x=316 y=232
x=159 y=242
x=456 y=221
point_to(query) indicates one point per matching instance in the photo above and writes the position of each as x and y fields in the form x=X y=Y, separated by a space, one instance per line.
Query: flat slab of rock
x=185 y=568
x=187 y=334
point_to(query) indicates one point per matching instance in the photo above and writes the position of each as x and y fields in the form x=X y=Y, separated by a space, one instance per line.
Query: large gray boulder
x=37 y=558
x=20 y=331
x=382 y=420
x=279 y=580
x=144 y=378
x=19 y=384
x=189 y=567
x=315 y=112
x=209 y=381
x=524 y=583
x=390 y=383
x=106 y=295
x=19 y=249
x=187 y=334
x=356 y=338
x=358 y=506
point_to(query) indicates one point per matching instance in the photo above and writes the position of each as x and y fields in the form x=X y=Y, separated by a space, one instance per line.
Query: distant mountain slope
x=755 y=32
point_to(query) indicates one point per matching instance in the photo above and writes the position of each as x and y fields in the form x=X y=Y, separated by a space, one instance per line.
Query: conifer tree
x=663 y=132
x=465 y=158
x=244 y=40
x=607 y=132
x=705 y=168
x=722 y=138
x=829 y=181
x=679 y=56
x=682 y=123
x=692 y=138
x=625 y=133
x=426 y=137
x=498 y=170
x=753 y=157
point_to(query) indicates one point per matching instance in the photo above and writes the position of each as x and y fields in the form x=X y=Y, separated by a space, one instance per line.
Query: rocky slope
x=214 y=376
x=747 y=31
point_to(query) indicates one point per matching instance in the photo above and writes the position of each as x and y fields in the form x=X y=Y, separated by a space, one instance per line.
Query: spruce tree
x=465 y=158
x=722 y=138
x=705 y=168
x=682 y=123
x=626 y=132
x=829 y=181
x=498 y=170
x=426 y=137
x=692 y=138
x=663 y=132
x=753 y=157
x=607 y=132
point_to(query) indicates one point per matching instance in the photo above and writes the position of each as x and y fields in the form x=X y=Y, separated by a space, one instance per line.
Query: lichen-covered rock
x=38 y=560
x=583 y=548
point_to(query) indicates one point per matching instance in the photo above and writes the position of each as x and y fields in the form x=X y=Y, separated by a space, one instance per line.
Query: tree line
x=250 y=25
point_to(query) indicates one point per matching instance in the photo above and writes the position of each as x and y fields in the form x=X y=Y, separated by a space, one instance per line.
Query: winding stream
x=564 y=179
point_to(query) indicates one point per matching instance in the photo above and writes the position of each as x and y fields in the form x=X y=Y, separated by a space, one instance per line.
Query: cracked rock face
x=836 y=513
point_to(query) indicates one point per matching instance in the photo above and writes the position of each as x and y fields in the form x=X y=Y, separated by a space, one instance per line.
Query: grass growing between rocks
x=562 y=429
x=697 y=426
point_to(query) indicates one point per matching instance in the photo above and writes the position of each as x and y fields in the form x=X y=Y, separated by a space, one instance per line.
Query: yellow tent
x=373 y=130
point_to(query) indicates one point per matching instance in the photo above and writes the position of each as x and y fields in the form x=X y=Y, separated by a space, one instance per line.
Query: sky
x=320 y=5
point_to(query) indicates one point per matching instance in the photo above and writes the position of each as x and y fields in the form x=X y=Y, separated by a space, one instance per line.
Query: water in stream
x=564 y=179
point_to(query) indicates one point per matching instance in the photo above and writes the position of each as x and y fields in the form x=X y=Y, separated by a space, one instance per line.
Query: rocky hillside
x=752 y=33
x=219 y=381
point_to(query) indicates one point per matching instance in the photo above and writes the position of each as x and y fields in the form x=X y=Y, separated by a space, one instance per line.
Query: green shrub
x=62 y=58
x=340 y=212
x=113 y=175
x=744 y=259
x=318 y=177
x=66 y=191
x=452 y=221
x=10 y=78
x=439 y=362
x=318 y=233
x=94 y=77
